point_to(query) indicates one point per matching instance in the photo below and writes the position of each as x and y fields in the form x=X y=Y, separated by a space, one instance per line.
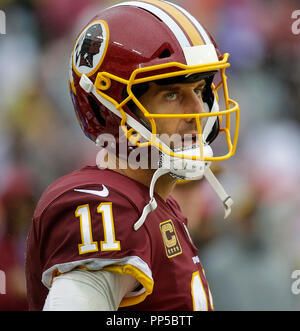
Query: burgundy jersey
x=85 y=220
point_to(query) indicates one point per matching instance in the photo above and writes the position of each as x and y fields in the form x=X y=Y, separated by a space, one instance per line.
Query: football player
x=110 y=236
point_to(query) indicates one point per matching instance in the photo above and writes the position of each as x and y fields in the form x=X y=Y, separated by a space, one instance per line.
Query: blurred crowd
x=248 y=258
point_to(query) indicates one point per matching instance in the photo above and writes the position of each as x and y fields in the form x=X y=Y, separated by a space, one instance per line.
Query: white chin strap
x=216 y=185
x=184 y=168
x=175 y=166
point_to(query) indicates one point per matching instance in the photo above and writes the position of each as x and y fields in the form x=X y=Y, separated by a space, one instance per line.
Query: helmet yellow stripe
x=185 y=23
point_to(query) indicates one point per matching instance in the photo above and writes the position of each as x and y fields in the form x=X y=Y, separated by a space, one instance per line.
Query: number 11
x=88 y=245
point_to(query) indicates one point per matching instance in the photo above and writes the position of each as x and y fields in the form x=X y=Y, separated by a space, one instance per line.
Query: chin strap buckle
x=227 y=206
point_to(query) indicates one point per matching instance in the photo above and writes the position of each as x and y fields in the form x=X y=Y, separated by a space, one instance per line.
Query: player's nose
x=194 y=105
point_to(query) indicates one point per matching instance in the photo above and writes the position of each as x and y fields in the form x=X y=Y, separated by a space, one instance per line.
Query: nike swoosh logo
x=104 y=193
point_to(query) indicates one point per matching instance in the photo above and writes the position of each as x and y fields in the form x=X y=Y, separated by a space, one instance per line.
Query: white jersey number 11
x=88 y=245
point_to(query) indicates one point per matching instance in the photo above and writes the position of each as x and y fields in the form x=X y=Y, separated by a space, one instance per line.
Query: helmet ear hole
x=96 y=109
x=165 y=53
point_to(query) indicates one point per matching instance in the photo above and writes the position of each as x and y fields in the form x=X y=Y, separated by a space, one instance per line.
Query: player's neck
x=163 y=187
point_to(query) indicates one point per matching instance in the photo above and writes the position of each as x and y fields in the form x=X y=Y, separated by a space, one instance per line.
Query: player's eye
x=171 y=96
x=199 y=91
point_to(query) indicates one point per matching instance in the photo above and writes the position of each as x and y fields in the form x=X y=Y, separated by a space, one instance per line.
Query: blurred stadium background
x=248 y=259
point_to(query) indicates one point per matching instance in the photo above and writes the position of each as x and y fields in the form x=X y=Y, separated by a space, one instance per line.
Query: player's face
x=176 y=99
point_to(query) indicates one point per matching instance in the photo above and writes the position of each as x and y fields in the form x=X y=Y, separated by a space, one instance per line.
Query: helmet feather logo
x=90 y=48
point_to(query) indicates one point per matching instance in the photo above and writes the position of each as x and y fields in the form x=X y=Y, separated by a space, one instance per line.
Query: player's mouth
x=185 y=141
x=190 y=139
